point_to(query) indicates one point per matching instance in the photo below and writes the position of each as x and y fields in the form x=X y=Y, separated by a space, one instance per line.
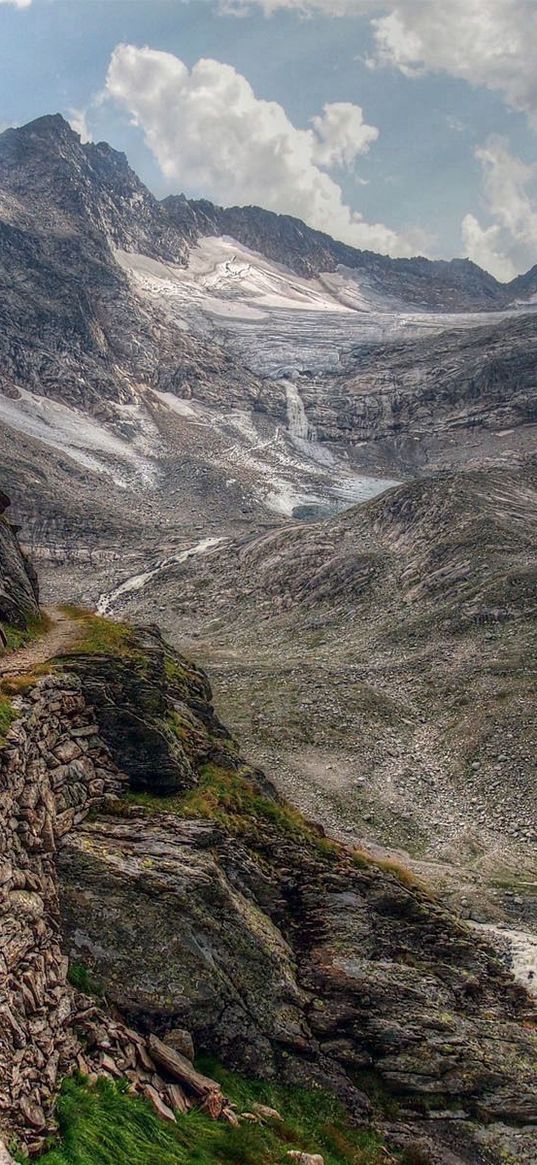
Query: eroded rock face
x=425 y=389
x=136 y=703
x=306 y=974
x=18 y=582
x=219 y=957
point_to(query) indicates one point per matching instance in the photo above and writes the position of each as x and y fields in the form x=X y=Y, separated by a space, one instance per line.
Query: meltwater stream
x=137 y=582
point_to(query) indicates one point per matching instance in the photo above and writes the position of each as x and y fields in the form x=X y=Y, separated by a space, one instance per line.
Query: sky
x=401 y=126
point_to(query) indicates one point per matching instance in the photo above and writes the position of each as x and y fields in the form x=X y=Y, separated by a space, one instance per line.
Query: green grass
x=80 y=977
x=233 y=798
x=7 y=716
x=19 y=685
x=18 y=637
x=176 y=673
x=100 y=636
x=102 y=1125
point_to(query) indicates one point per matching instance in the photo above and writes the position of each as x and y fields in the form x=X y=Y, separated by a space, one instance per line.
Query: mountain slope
x=383 y=665
x=458 y=285
x=154 y=378
x=214 y=904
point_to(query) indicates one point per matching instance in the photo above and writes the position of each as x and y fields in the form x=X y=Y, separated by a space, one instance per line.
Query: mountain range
x=236 y=356
x=313 y=469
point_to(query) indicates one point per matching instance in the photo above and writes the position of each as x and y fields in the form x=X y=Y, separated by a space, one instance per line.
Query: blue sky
x=443 y=165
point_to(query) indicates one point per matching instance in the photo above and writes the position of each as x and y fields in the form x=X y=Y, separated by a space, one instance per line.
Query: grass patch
x=19 y=685
x=80 y=977
x=176 y=673
x=365 y=861
x=18 y=637
x=102 y=1125
x=233 y=798
x=361 y=859
x=405 y=876
x=7 y=717
x=100 y=636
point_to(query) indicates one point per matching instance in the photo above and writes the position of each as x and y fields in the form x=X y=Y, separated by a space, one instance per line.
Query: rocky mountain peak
x=457 y=284
x=82 y=188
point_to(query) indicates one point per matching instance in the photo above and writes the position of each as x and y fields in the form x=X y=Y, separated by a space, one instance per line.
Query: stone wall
x=52 y=769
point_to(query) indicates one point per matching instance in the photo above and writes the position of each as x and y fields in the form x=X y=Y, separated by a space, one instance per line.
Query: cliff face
x=18 y=582
x=428 y=389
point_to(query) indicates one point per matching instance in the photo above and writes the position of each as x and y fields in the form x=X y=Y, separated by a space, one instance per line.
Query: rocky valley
x=230 y=439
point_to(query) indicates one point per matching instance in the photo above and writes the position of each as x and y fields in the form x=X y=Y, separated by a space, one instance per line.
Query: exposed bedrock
x=18 y=581
x=282 y=953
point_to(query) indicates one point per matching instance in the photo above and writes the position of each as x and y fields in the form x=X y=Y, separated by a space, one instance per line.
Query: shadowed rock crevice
x=19 y=592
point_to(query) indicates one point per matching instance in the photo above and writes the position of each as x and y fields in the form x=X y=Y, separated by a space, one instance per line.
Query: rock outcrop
x=53 y=769
x=221 y=911
x=218 y=909
x=18 y=583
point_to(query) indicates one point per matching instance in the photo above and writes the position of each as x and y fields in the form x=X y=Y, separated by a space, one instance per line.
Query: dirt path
x=62 y=633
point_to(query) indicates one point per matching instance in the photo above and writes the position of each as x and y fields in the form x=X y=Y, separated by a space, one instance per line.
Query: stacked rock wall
x=53 y=767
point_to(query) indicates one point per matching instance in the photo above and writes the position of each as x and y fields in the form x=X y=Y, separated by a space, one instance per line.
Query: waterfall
x=297 y=422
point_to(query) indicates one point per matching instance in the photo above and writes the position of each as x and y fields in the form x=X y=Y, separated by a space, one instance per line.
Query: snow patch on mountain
x=86 y=441
x=279 y=322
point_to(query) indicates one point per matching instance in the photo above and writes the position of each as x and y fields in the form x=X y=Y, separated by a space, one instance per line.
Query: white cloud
x=78 y=120
x=509 y=245
x=17 y=3
x=485 y=42
x=484 y=245
x=211 y=134
x=342 y=135
x=303 y=7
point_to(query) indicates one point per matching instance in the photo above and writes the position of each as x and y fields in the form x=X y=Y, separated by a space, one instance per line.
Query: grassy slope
x=102 y=1125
